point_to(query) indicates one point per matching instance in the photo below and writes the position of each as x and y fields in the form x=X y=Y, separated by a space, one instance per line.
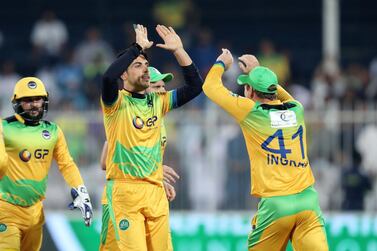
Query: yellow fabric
x=237 y=106
x=146 y=208
x=283 y=95
x=308 y=233
x=66 y=165
x=119 y=128
x=24 y=227
x=291 y=174
x=19 y=138
x=29 y=87
x=3 y=154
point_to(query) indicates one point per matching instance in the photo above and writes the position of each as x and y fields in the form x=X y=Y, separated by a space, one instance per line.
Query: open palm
x=142 y=37
x=172 y=41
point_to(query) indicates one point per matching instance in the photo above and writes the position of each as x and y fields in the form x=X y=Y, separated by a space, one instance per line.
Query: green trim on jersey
x=32 y=191
x=139 y=161
x=30 y=151
x=273 y=208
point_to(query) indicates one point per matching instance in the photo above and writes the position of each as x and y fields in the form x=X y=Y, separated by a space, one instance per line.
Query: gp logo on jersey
x=139 y=123
x=25 y=155
x=46 y=134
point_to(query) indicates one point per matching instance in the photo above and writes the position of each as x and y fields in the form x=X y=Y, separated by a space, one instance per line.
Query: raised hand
x=142 y=36
x=226 y=57
x=172 y=41
x=247 y=62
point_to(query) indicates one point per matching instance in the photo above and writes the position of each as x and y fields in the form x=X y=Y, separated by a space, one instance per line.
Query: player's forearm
x=182 y=57
x=193 y=84
x=283 y=95
x=213 y=86
x=104 y=156
x=71 y=174
x=115 y=70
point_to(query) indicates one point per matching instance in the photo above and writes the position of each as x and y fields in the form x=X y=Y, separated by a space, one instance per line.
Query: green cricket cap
x=261 y=79
x=155 y=75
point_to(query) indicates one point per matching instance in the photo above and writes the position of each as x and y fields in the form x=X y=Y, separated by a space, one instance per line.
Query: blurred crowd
x=209 y=153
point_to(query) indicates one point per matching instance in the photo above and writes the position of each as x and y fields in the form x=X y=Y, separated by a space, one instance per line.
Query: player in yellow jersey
x=31 y=144
x=157 y=84
x=273 y=126
x=3 y=154
x=137 y=210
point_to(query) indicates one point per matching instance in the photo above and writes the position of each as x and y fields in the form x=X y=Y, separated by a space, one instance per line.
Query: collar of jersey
x=135 y=95
x=21 y=120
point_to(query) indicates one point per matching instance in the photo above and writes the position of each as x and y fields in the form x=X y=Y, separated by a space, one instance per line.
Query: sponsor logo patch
x=32 y=85
x=25 y=155
x=46 y=134
x=3 y=227
x=124 y=224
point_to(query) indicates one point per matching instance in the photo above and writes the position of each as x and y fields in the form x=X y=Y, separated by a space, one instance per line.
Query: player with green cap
x=273 y=125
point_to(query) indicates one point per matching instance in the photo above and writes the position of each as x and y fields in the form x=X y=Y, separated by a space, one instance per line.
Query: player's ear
x=124 y=76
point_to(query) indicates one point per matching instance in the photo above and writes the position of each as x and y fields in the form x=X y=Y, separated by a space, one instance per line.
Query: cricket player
x=30 y=145
x=157 y=84
x=137 y=210
x=273 y=125
x=3 y=154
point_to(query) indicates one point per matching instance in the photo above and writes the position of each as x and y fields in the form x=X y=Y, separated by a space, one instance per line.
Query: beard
x=33 y=113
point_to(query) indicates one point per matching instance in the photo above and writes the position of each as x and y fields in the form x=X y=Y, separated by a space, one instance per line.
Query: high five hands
x=226 y=57
x=142 y=37
x=172 y=42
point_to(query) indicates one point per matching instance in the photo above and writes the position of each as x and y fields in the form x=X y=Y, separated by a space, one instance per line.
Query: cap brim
x=243 y=79
x=167 y=77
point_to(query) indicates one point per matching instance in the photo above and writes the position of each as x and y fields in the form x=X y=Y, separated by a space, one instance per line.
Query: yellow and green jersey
x=30 y=150
x=164 y=138
x=133 y=131
x=275 y=136
x=3 y=154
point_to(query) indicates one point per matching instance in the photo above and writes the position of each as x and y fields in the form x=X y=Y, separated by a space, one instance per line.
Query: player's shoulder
x=9 y=120
x=296 y=103
x=48 y=123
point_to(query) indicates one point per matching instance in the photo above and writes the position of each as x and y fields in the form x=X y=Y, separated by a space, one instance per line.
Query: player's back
x=275 y=136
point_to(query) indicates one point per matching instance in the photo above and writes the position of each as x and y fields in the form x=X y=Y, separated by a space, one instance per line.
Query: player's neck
x=262 y=100
x=131 y=88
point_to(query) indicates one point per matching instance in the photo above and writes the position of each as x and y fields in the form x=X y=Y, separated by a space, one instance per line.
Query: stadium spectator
x=355 y=185
x=49 y=36
x=69 y=78
x=8 y=76
x=93 y=47
x=277 y=62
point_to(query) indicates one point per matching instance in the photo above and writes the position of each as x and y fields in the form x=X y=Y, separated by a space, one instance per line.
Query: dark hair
x=124 y=51
x=263 y=95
